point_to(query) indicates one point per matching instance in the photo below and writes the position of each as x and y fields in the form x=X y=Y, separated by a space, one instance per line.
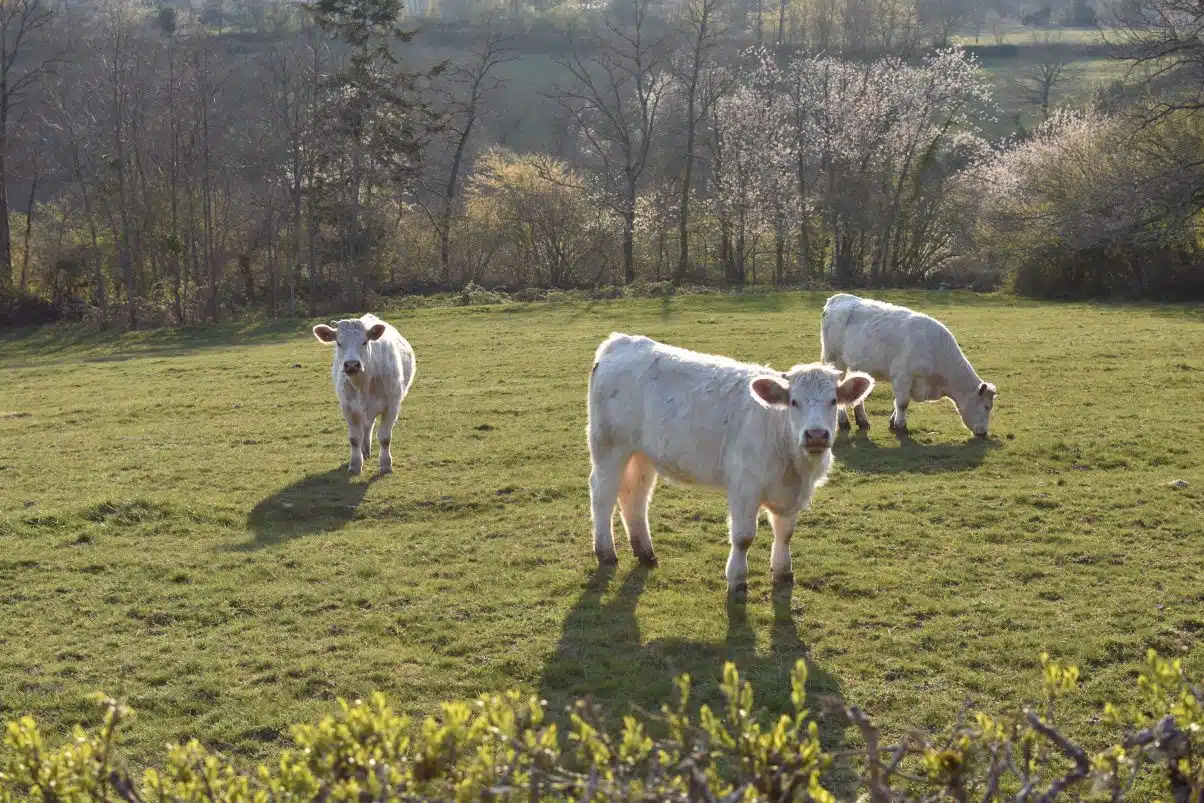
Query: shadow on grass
x=861 y=454
x=601 y=656
x=319 y=502
x=80 y=342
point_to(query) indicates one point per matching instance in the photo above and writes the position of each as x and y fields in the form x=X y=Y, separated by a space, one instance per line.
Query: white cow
x=761 y=436
x=916 y=353
x=372 y=371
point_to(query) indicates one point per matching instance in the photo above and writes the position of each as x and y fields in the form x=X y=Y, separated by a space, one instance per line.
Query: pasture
x=176 y=524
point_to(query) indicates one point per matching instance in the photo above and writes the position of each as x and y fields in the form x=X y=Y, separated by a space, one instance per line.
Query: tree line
x=160 y=165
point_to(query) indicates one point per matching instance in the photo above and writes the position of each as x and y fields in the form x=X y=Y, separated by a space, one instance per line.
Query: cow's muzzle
x=817 y=441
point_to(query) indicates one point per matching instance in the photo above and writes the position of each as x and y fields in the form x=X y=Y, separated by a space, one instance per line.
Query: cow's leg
x=604 y=481
x=742 y=523
x=355 y=431
x=901 y=385
x=779 y=558
x=863 y=420
x=842 y=415
x=384 y=434
x=366 y=443
x=635 y=492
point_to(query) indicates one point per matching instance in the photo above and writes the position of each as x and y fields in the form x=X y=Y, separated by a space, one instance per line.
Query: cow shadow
x=317 y=503
x=602 y=657
x=860 y=453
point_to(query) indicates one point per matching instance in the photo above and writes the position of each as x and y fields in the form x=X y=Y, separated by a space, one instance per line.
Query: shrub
x=503 y=747
x=1087 y=206
x=19 y=308
x=474 y=295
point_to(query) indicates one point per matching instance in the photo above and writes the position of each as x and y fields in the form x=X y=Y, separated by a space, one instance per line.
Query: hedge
x=504 y=747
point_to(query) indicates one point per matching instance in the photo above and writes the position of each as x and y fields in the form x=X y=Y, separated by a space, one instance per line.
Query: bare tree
x=27 y=54
x=701 y=31
x=468 y=87
x=613 y=102
x=1051 y=67
x=944 y=17
x=1163 y=41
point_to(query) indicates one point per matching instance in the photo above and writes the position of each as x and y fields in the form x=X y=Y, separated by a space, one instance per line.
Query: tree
x=1163 y=41
x=613 y=101
x=28 y=52
x=1051 y=66
x=469 y=85
x=379 y=121
x=700 y=32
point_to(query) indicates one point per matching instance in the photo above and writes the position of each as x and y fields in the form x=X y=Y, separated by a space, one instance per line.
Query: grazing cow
x=372 y=371
x=916 y=353
x=761 y=436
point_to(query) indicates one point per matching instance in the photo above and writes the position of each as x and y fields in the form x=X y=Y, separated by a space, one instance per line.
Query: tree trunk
x=311 y=231
x=629 y=233
x=683 y=217
x=6 y=253
x=33 y=193
x=449 y=196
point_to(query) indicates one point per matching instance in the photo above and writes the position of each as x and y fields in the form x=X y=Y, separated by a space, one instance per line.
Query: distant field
x=1077 y=88
x=176 y=524
x=1015 y=34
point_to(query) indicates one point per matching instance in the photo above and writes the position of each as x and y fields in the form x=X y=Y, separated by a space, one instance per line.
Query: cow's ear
x=854 y=388
x=376 y=332
x=986 y=389
x=771 y=391
x=325 y=333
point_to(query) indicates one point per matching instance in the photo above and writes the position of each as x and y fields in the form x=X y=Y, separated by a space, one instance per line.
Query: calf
x=762 y=437
x=916 y=353
x=372 y=371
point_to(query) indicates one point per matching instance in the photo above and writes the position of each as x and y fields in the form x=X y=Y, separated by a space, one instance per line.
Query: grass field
x=176 y=524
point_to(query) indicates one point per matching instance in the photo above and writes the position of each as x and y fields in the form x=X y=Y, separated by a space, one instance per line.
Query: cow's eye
x=794 y=402
x=833 y=402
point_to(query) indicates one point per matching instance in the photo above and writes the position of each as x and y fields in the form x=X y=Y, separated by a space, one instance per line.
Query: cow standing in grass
x=372 y=371
x=916 y=353
x=761 y=436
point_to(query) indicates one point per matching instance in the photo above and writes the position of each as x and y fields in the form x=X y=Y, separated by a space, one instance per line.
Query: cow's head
x=975 y=409
x=350 y=337
x=811 y=395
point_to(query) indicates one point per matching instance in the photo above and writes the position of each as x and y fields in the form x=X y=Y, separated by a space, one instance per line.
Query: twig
x=879 y=792
x=1082 y=765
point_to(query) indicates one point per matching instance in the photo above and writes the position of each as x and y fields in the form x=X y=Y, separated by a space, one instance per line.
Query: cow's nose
x=352 y=366
x=816 y=437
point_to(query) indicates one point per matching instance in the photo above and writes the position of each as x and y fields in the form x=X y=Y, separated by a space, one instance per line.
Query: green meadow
x=177 y=525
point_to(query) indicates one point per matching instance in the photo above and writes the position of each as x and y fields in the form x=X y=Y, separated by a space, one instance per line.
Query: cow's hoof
x=353 y=470
x=863 y=425
x=738 y=592
x=386 y=470
x=844 y=426
x=647 y=559
x=784 y=579
x=607 y=560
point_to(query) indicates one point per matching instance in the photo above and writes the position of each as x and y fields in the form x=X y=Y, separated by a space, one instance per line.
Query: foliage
x=547 y=230
x=1087 y=206
x=504 y=747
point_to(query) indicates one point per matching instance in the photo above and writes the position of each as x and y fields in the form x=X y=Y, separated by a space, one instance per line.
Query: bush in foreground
x=502 y=747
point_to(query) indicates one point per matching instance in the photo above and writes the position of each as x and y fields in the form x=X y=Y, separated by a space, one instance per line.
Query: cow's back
x=680 y=408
